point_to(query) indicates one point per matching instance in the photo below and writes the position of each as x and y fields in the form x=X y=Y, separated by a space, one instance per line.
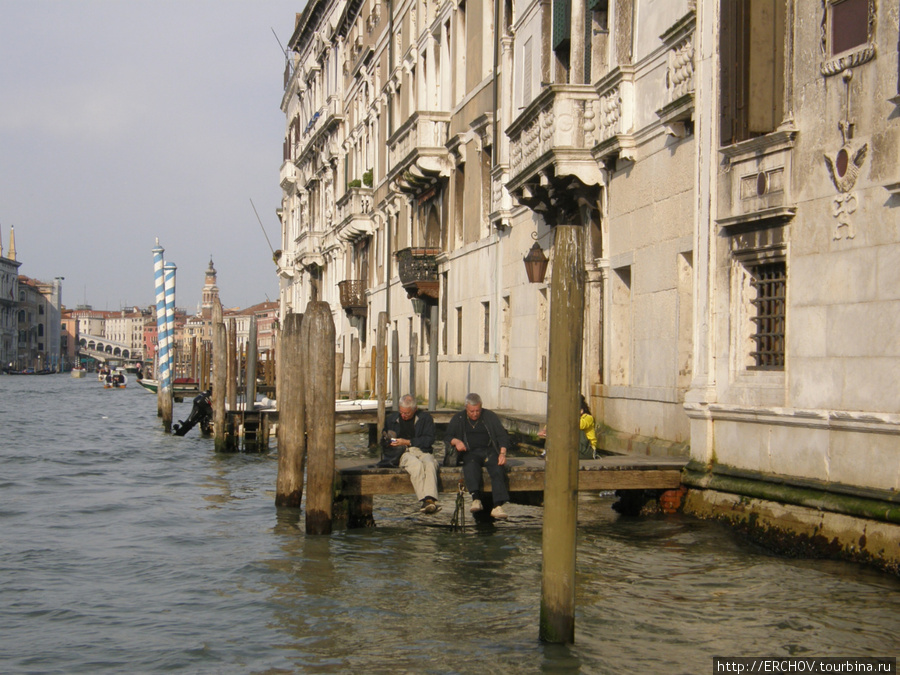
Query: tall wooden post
x=395 y=369
x=432 y=359
x=320 y=417
x=251 y=367
x=354 y=367
x=192 y=368
x=276 y=371
x=413 y=343
x=380 y=366
x=231 y=366
x=218 y=379
x=557 y=622
x=338 y=373
x=291 y=432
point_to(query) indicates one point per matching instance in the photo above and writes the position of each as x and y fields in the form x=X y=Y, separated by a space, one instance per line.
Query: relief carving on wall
x=844 y=167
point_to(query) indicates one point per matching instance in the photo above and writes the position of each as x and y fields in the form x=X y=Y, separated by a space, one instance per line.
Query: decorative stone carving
x=842 y=208
x=843 y=168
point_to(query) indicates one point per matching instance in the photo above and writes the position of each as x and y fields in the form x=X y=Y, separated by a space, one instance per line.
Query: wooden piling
x=338 y=373
x=413 y=344
x=380 y=366
x=218 y=379
x=164 y=399
x=354 y=367
x=192 y=368
x=251 y=367
x=395 y=369
x=231 y=366
x=432 y=359
x=557 y=621
x=319 y=385
x=291 y=434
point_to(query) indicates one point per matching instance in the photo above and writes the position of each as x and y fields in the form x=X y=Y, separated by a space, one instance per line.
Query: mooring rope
x=458 y=522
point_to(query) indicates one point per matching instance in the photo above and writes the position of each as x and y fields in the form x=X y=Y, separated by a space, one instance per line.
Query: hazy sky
x=126 y=120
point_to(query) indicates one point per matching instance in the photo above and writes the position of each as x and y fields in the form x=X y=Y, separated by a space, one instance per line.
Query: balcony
x=353 y=297
x=551 y=142
x=419 y=272
x=288 y=175
x=354 y=214
x=615 y=116
x=324 y=121
x=308 y=250
x=418 y=152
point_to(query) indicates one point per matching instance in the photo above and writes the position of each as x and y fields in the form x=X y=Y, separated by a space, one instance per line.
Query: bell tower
x=210 y=291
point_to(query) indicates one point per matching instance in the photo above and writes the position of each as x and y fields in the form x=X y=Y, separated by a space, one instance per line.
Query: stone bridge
x=103 y=349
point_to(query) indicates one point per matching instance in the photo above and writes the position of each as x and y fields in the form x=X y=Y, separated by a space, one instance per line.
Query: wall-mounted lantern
x=536 y=264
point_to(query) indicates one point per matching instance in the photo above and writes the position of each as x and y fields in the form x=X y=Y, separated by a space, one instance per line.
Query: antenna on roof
x=283 y=50
x=263 y=228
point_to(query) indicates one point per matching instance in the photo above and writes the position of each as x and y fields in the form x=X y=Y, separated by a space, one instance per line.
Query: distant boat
x=180 y=386
x=115 y=379
x=78 y=372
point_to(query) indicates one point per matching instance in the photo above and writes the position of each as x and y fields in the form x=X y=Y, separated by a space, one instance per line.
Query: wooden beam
x=525 y=475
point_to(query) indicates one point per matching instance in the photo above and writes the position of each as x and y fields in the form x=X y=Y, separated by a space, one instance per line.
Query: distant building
x=69 y=343
x=39 y=321
x=9 y=299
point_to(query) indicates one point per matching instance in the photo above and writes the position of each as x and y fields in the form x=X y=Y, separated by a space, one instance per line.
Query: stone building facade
x=9 y=299
x=733 y=167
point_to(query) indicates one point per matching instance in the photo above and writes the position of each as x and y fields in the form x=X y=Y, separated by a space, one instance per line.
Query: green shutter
x=561 y=17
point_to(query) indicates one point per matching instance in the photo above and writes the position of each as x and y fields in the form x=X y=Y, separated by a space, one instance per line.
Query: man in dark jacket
x=480 y=440
x=410 y=448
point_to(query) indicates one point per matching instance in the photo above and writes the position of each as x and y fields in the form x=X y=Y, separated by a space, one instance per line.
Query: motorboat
x=180 y=388
x=115 y=379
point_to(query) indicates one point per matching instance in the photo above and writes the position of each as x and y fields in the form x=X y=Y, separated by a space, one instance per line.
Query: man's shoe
x=498 y=513
x=476 y=506
x=430 y=506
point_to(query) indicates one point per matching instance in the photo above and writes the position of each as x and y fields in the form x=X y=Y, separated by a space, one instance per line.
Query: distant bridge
x=103 y=349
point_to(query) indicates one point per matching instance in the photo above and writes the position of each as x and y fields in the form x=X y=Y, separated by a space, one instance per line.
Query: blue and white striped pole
x=170 y=322
x=162 y=348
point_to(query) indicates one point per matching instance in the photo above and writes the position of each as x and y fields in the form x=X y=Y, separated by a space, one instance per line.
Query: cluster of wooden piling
x=306 y=423
x=219 y=365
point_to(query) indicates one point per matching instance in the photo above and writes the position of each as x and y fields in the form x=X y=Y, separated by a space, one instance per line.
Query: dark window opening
x=849 y=25
x=769 y=281
x=751 y=47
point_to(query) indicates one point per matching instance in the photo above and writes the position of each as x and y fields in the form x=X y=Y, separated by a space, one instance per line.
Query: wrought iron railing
x=418 y=270
x=353 y=296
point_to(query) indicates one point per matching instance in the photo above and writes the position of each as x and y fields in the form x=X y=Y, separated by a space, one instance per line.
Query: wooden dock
x=360 y=480
x=526 y=474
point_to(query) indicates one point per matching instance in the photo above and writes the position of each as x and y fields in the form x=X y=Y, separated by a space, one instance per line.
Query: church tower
x=210 y=291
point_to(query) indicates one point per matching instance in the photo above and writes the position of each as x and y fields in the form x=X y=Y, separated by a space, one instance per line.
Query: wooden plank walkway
x=359 y=478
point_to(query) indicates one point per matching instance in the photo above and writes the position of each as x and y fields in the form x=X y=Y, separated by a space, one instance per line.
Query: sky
x=124 y=121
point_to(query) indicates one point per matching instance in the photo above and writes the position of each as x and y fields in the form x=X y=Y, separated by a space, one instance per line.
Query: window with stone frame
x=760 y=293
x=848 y=34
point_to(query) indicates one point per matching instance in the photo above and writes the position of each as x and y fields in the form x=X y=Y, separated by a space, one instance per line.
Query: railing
x=423 y=131
x=356 y=201
x=353 y=296
x=288 y=174
x=418 y=271
x=563 y=117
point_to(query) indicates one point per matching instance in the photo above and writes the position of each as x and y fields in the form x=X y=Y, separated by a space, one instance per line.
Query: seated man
x=411 y=450
x=480 y=440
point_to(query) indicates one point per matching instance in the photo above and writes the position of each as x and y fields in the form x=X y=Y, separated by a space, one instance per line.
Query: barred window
x=769 y=281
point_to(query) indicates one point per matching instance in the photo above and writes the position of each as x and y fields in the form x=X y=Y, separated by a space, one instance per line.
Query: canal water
x=126 y=550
